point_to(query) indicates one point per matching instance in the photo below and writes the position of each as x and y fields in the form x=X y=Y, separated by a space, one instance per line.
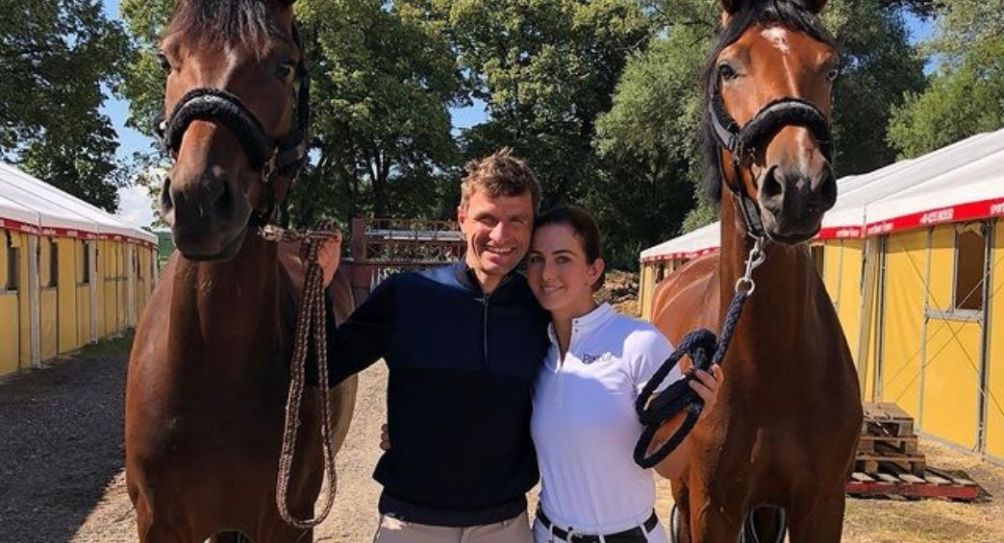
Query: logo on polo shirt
x=591 y=358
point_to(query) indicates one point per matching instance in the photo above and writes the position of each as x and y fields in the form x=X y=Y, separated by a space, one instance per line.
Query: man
x=463 y=344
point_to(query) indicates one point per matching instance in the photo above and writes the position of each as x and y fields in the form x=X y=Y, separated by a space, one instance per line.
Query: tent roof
x=57 y=212
x=689 y=245
x=858 y=195
x=960 y=182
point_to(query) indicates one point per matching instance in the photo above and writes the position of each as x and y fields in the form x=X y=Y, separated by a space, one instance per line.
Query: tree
x=56 y=59
x=545 y=69
x=384 y=78
x=966 y=93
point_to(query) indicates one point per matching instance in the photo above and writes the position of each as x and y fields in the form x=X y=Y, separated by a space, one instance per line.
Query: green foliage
x=545 y=69
x=966 y=94
x=56 y=56
x=383 y=80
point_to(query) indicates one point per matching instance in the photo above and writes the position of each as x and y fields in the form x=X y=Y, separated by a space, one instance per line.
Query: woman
x=584 y=424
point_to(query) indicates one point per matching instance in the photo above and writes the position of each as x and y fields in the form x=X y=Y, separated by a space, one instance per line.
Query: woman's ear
x=596 y=271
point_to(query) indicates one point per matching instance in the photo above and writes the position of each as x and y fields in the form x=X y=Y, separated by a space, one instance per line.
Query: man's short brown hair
x=501 y=174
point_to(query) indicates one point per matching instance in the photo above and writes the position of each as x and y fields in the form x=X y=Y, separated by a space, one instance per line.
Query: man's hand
x=706 y=385
x=329 y=256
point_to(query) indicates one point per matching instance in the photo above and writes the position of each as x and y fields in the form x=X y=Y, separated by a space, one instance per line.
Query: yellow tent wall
x=26 y=244
x=49 y=301
x=994 y=407
x=951 y=372
x=646 y=289
x=10 y=310
x=66 y=292
x=905 y=285
x=83 y=292
x=843 y=275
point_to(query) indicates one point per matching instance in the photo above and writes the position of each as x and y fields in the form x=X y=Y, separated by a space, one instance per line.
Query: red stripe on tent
x=840 y=232
x=11 y=224
x=689 y=255
x=959 y=213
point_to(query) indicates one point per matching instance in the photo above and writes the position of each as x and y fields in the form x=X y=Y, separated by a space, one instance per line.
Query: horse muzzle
x=208 y=213
x=792 y=201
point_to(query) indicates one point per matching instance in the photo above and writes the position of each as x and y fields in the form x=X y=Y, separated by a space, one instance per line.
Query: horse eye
x=726 y=72
x=285 y=69
x=833 y=74
x=164 y=63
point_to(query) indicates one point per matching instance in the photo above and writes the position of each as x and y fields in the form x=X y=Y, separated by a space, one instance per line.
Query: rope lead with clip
x=704 y=350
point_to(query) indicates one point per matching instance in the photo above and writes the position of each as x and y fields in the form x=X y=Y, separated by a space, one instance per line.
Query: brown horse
x=785 y=428
x=209 y=368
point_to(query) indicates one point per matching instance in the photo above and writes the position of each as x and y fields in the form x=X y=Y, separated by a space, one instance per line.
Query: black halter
x=281 y=157
x=743 y=142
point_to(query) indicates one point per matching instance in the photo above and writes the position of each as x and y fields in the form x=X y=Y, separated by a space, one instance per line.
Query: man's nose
x=500 y=231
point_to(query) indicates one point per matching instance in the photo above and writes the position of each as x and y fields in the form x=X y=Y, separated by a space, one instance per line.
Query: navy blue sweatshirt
x=461 y=368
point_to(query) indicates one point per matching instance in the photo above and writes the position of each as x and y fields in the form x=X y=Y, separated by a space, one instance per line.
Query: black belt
x=627 y=536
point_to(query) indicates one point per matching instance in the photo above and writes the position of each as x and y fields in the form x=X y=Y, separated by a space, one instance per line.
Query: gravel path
x=61 y=455
x=61 y=473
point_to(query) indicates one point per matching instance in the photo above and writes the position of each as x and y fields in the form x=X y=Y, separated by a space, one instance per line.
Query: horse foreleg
x=821 y=523
x=680 y=533
x=710 y=523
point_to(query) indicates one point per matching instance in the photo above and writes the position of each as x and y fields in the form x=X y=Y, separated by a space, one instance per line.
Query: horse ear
x=813 y=6
x=731 y=6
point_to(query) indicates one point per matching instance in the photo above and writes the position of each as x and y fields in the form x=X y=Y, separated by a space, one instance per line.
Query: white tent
x=63 y=213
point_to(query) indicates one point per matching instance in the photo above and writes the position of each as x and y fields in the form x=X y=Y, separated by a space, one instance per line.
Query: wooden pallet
x=887 y=444
x=931 y=484
x=886 y=420
x=893 y=462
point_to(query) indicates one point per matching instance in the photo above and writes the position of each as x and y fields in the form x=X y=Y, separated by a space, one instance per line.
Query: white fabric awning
x=58 y=213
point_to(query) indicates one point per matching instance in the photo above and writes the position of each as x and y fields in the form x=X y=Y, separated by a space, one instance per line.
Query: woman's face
x=558 y=272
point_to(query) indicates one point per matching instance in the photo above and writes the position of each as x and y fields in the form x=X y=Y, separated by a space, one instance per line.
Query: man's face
x=498 y=233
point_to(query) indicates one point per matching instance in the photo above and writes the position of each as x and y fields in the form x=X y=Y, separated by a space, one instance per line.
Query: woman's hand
x=706 y=386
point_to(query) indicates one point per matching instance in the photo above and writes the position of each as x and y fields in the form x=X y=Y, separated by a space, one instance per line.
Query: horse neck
x=785 y=283
x=232 y=306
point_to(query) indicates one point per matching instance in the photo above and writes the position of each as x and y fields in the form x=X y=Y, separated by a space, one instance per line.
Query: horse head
x=236 y=113
x=768 y=89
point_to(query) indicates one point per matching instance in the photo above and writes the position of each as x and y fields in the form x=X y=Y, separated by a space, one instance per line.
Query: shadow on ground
x=61 y=442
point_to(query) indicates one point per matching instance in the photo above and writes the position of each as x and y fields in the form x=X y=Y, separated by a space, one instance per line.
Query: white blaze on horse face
x=778 y=37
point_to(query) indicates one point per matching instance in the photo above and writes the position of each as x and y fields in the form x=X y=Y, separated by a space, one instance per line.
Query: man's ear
x=461 y=216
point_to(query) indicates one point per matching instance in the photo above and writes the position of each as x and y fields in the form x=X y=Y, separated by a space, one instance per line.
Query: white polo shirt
x=585 y=427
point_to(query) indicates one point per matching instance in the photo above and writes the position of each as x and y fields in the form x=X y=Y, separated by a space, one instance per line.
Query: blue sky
x=134 y=204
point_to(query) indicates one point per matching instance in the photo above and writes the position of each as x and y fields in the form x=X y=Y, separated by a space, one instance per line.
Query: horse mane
x=787 y=13
x=221 y=22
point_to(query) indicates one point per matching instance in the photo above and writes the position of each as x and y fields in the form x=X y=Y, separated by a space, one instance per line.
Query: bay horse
x=209 y=368
x=783 y=434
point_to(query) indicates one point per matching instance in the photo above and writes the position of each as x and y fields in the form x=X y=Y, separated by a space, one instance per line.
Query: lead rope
x=311 y=318
x=698 y=345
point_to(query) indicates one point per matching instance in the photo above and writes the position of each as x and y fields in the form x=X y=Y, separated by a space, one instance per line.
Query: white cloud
x=135 y=205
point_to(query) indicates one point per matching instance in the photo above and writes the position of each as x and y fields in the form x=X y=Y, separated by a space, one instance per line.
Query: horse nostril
x=166 y=200
x=827 y=190
x=772 y=190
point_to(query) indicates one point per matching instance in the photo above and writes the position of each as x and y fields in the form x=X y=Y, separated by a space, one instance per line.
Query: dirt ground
x=61 y=467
